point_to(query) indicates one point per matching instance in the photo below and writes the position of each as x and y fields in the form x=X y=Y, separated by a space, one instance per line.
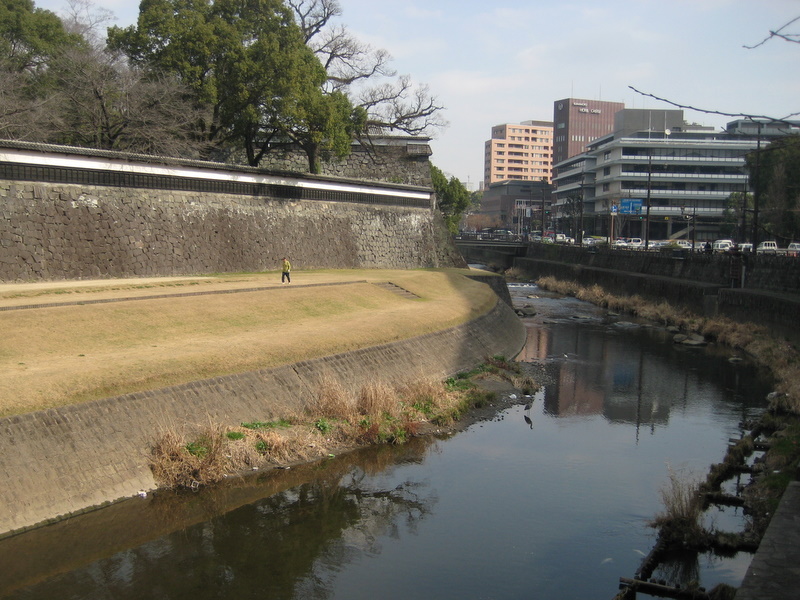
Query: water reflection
x=257 y=537
x=548 y=500
x=628 y=372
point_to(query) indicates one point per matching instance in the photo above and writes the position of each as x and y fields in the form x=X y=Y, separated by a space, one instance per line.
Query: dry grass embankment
x=333 y=421
x=69 y=354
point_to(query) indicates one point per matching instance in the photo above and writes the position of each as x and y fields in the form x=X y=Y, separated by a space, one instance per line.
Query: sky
x=508 y=61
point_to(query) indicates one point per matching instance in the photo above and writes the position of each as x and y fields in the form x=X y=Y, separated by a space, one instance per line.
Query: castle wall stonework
x=70 y=231
x=403 y=163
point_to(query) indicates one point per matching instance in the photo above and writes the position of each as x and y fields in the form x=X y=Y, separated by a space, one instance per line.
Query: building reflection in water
x=623 y=373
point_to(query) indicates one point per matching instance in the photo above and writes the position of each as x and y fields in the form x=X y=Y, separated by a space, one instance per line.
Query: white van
x=767 y=248
x=722 y=245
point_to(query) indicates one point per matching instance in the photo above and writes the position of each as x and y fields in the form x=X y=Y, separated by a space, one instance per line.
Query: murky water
x=549 y=501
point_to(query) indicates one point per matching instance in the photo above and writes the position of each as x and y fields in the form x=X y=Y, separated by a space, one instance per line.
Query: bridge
x=497 y=253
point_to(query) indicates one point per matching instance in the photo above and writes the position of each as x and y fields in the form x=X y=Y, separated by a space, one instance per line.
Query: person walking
x=286 y=268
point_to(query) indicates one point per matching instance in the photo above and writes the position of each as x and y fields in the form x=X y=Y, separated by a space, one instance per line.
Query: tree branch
x=718 y=112
x=789 y=37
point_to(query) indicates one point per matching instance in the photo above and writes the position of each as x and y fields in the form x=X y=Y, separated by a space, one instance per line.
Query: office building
x=658 y=177
x=519 y=152
x=518 y=206
x=577 y=122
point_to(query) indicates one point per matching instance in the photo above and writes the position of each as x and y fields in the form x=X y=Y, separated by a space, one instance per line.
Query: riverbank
x=776 y=439
x=69 y=342
x=347 y=326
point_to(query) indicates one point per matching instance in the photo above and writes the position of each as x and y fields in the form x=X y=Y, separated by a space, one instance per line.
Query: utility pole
x=757 y=189
x=579 y=234
x=649 y=185
x=541 y=188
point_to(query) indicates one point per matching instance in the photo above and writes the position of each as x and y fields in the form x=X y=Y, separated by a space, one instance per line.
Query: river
x=549 y=499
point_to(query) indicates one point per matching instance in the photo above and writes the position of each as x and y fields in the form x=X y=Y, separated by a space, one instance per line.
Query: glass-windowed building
x=657 y=177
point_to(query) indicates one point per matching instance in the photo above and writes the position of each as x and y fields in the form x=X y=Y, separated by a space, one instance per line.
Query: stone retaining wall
x=764 y=272
x=60 y=231
x=66 y=460
x=774 y=310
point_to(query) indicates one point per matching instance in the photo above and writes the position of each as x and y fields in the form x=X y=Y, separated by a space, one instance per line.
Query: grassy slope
x=62 y=355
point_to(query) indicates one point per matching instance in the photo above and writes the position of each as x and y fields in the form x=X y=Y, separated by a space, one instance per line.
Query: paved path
x=126 y=298
x=774 y=573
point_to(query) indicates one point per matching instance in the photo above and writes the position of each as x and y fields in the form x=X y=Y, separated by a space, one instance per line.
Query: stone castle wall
x=59 y=231
x=403 y=163
x=71 y=213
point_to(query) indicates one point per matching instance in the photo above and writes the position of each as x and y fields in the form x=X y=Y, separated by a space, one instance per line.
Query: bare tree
x=23 y=114
x=715 y=112
x=105 y=103
x=392 y=102
x=401 y=106
x=779 y=33
x=86 y=19
x=346 y=59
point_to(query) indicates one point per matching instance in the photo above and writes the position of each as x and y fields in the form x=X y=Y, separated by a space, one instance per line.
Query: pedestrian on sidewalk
x=286 y=267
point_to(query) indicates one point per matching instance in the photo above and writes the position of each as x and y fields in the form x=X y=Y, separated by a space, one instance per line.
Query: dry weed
x=178 y=462
x=376 y=400
x=332 y=401
x=683 y=507
x=274 y=446
x=527 y=384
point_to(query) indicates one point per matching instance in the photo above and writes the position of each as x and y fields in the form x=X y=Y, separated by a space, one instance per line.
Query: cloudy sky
x=507 y=61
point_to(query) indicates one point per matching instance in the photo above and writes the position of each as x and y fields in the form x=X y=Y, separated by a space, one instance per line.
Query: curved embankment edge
x=68 y=460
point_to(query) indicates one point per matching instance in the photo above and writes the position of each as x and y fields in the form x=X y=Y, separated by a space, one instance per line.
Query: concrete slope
x=66 y=460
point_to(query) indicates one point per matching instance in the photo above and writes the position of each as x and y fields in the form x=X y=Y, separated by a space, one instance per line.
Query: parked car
x=722 y=245
x=793 y=249
x=769 y=247
x=620 y=243
x=658 y=245
x=746 y=247
x=636 y=243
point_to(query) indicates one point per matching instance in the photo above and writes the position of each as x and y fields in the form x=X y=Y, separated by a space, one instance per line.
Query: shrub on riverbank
x=335 y=418
x=679 y=523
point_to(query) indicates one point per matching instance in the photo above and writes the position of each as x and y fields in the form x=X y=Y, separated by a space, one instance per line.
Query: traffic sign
x=630 y=206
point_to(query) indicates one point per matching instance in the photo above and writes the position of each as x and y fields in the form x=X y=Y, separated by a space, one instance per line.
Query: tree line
x=208 y=79
x=222 y=80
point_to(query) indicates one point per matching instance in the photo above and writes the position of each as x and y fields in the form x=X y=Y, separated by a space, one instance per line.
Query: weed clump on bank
x=334 y=419
x=680 y=522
